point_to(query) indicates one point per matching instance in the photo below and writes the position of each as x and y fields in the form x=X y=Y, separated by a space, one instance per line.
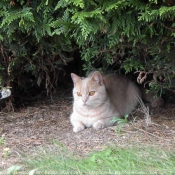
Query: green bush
x=38 y=37
x=28 y=44
x=136 y=35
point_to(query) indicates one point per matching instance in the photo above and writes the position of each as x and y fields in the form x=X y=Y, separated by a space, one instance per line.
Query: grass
x=115 y=160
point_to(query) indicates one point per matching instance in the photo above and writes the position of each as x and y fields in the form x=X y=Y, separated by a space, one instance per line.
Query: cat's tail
x=151 y=97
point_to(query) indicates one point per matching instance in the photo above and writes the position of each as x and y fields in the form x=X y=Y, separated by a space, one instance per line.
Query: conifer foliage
x=37 y=36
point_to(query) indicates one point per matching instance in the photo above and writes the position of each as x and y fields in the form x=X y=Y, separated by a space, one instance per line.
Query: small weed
x=6 y=152
x=2 y=140
x=120 y=122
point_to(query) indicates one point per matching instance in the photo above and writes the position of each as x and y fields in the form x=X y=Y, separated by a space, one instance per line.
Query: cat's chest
x=87 y=116
x=89 y=113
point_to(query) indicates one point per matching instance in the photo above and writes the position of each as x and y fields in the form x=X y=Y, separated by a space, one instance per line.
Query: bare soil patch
x=38 y=125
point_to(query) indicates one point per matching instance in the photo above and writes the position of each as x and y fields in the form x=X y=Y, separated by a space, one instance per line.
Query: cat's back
x=122 y=92
x=116 y=81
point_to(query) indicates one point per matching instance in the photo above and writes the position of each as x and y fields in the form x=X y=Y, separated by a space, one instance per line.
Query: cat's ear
x=75 y=78
x=97 y=77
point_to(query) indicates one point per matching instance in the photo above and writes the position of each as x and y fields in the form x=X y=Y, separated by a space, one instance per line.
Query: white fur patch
x=5 y=93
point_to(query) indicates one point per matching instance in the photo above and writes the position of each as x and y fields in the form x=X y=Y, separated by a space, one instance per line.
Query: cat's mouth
x=84 y=104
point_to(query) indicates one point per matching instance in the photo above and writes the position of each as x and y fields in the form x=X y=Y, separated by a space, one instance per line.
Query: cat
x=98 y=99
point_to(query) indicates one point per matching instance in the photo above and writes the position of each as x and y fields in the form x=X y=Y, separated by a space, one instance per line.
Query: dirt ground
x=42 y=122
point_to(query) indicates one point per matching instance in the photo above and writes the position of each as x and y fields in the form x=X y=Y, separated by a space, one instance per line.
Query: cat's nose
x=84 y=100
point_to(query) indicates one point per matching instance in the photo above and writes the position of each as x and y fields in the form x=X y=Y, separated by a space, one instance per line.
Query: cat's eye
x=91 y=93
x=79 y=94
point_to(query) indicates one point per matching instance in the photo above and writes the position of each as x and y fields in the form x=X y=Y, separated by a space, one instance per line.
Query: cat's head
x=89 y=91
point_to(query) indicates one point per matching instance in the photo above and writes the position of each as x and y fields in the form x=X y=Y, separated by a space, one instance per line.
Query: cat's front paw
x=78 y=128
x=98 y=125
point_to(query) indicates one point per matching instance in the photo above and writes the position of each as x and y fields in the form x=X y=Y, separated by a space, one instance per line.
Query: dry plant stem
x=144 y=110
